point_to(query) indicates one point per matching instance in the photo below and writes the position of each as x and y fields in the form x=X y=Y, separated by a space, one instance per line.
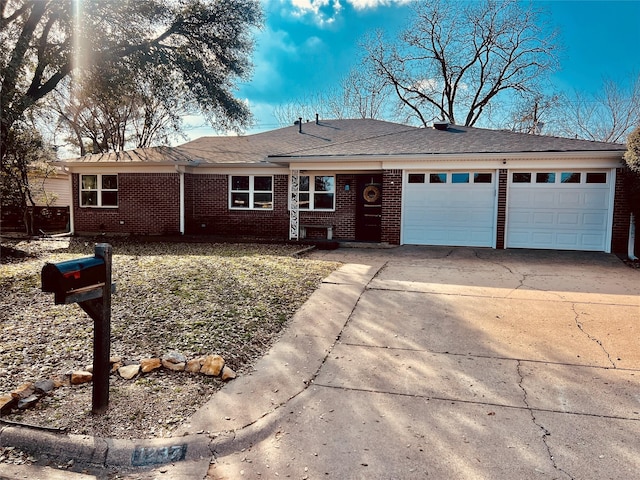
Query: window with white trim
x=99 y=190
x=253 y=192
x=316 y=192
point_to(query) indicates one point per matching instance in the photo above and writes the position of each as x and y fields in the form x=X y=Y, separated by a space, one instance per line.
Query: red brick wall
x=148 y=204
x=391 y=206
x=621 y=216
x=344 y=217
x=502 y=208
x=207 y=210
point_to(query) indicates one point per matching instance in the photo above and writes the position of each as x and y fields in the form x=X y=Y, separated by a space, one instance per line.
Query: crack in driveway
x=545 y=432
x=589 y=336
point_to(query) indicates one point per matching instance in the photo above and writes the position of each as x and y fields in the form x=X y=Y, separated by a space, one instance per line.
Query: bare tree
x=607 y=116
x=456 y=58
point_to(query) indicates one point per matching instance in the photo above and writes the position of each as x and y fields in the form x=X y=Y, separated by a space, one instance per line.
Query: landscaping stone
x=23 y=391
x=44 y=386
x=81 y=376
x=227 y=374
x=30 y=401
x=7 y=402
x=194 y=366
x=129 y=371
x=212 y=365
x=150 y=364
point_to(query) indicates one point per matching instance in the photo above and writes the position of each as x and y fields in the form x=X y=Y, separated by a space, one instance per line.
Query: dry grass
x=196 y=299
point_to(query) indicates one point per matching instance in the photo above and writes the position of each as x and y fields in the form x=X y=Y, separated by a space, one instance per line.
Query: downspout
x=71 y=206
x=632 y=238
x=180 y=170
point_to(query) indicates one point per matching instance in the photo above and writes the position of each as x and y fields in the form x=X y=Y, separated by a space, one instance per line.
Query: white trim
x=72 y=206
x=612 y=207
x=312 y=191
x=182 y=206
x=251 y=192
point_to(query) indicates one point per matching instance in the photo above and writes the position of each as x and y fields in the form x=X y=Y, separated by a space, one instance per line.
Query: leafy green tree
x=205 y=44
x=632 y=172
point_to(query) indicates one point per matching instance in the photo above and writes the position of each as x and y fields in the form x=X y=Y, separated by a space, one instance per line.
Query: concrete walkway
x=426 y=362
x=445 y=363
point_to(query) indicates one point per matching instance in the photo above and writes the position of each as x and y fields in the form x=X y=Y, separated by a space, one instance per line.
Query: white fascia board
x=340 y=165
x=239 y=169
x=113 y=168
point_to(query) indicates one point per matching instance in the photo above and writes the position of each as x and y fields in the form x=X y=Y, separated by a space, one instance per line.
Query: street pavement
x=430 y=362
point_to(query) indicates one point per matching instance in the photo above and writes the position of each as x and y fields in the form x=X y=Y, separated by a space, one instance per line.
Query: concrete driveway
x=447 y=363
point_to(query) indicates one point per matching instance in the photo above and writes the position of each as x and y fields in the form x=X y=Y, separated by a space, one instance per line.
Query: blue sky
x=307 y=46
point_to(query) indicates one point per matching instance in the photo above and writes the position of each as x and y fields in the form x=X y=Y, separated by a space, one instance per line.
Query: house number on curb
x=143 y=456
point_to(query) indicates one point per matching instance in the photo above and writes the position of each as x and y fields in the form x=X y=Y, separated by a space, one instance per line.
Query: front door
x=369 y=208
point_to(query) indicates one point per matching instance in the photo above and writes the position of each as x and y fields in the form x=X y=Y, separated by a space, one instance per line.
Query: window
x=316 y=192
x=546 y=177
x=521 y=178
x=251 y=192
x=570 y=177
x=459 y=178
x=99 y=190
x=416 y=178
x=482 y=178
x=437 y=178
x=599 y=177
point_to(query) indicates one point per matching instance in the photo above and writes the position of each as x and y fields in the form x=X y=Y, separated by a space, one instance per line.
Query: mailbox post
x=87 y=282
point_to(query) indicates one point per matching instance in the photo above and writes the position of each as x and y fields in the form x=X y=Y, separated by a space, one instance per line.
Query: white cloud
x=325 y=12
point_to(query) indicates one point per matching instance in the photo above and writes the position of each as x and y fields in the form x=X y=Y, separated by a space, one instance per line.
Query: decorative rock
x=30 y=401
x=129 y=371
x=115 y=359
x=7 y=402
x=176 y=367
x=44 y=386
x=61 y=381
x=227 y=374
x=81 y=376
x=150 y=364
x=115 y=367
x=23 y=391
x=174 y=357
x=194 y=365
x=212 y=365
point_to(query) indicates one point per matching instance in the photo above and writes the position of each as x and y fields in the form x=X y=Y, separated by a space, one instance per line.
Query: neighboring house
x=364 y=180
x=52 y=190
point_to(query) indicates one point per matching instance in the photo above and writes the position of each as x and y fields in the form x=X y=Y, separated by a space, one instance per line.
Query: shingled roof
x=361 y=137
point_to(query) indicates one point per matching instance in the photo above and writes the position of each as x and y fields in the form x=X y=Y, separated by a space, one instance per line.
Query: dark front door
x=369 y=208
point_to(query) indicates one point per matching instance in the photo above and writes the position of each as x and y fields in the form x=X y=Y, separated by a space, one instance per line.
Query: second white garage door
x=449 y=208
x=562 y=210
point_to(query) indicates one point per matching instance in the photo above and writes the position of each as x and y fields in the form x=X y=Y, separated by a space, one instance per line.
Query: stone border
x=29 y=393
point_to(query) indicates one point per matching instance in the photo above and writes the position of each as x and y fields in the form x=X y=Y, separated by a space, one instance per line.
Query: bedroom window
x=99 y=190
x=253 y=192
x=316 y=192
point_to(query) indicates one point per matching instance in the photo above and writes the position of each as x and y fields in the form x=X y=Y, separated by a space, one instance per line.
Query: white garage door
x=449 y=208
x=562 y=210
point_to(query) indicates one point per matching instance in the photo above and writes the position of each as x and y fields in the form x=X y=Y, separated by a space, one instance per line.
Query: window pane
x=89 y=198
x=240 y=183
x=570 y=177
x=482 y=178
x=89 y=182
x=437 y=178
x=262 y=200
x=459 y=178
x=304 y=184
x=521 y=178
x=240 y=200
x=303 y=201
x=110 y=199
x=110 y=182
x=597 y=177
x=323 y=201
x=545 y=178
x=262 y=184
x=323 y=184
x=416 y=178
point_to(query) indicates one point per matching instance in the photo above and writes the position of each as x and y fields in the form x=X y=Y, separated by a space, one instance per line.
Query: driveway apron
x=452 y=363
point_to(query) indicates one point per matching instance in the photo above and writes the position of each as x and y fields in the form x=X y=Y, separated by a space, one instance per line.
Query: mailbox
x=61 y=278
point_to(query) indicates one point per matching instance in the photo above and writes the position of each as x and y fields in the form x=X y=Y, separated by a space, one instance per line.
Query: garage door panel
x=558 y=216
x=449 y=214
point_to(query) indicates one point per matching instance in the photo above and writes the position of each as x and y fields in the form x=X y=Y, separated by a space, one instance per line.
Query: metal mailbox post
x=87 y=282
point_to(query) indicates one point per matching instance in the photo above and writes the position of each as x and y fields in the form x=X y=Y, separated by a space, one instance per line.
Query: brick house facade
x=186 y=191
